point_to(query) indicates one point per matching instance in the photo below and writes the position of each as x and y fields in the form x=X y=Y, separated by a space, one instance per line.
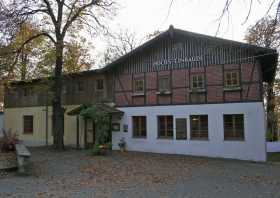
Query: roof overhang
x=103 y=107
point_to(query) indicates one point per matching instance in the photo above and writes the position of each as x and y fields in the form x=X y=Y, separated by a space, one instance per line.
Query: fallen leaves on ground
x=135 y=168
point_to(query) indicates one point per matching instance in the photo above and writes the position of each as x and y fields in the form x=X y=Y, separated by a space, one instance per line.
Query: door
x=89 y=133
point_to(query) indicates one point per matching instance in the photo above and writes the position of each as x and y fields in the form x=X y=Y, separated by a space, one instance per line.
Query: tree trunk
x=271 y=116
x=58 y=111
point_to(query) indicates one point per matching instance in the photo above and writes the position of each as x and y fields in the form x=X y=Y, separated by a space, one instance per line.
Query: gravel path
x=76 y=174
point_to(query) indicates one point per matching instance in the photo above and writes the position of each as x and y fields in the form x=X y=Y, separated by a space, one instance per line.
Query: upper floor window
x=27 y=91
x=197 y=81
x=139 y=85
x=80 y=86
x=231 y=79
x=27 y=124
x=199 y=126
x=99 y=84
x=165 y=126
x=163 y=83
x=234 y=127
x=139 y=126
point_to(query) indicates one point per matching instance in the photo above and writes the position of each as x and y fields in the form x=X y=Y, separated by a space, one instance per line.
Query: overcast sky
x=146 y=16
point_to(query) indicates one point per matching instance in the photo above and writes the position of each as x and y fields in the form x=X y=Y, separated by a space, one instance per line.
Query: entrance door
x=89 y=133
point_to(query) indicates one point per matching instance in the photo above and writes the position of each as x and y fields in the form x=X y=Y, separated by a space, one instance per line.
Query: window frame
x=226 y=80
x=142 y=131
x=97 y=84
x=80 y=86
x=136 y=80
x=26 y=130
x=193 y=80
x=200 y=129
x=186 y=129
x=235 y=136
x=166 y=129
x=167 y=89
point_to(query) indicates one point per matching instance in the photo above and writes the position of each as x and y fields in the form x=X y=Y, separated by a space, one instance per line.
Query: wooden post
x=78 y=132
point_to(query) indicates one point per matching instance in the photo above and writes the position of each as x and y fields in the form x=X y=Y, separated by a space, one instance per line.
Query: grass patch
x=273 y=157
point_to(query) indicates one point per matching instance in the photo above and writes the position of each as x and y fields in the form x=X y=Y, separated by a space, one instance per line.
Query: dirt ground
x=74 y=173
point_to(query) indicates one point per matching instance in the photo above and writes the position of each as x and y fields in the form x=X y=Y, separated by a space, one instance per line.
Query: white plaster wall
x=253 y=148
x=273 y=146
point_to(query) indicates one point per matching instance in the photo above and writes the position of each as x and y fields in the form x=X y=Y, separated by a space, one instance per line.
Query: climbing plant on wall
x=102 y=122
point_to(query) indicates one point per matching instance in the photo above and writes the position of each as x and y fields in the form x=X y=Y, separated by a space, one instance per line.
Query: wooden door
x=89 y=133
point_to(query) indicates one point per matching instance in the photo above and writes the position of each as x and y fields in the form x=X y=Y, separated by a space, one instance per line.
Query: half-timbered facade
x=180 y=93
x=187 y=93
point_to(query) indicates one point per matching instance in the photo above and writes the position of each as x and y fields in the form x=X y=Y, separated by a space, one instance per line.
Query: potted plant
x=122 y=144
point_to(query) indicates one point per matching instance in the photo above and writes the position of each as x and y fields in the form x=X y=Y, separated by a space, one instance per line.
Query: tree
x=55 y=19
x=266 y=33
x=122 y=42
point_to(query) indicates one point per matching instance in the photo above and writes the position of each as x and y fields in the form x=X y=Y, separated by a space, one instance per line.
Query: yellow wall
x=14 y=121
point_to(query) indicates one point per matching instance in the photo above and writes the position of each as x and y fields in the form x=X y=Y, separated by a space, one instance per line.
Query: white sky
x=146 y=16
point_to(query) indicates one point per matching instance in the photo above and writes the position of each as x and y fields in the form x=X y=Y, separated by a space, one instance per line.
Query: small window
x=99 y=84
x=163 y=83
x=27 y=91
x=27 y=124
x=181 y=128
x=64 y=89
x=234 y=127
x=231 y=79
x=139 y=85
x=165 y=126
x=199 y=126
x=139 y=126
x=198 y=81
x=80 y=86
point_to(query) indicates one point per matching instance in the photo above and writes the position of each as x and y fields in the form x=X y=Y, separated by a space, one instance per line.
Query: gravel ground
x=76 y=174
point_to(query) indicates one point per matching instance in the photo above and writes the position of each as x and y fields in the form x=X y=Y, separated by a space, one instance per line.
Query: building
x=179 y=93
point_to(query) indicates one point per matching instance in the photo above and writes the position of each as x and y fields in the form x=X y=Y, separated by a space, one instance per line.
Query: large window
x=139 y=126
x=27 y=124
x=163 y=84
x=181 y=128
x=165 y=126
x=139 y=85
x=198 y=81
x=231 y=79
x=234 y=127
x=199 y=126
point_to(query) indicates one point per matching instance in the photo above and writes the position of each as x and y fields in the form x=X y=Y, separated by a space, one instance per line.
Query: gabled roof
x=268 y=57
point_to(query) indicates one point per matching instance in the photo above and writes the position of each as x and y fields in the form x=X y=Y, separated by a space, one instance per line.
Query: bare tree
x=122 y=42
x=266 y=33
x=55 y=19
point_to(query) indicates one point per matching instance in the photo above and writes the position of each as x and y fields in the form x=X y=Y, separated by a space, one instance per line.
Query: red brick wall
x=181 y=92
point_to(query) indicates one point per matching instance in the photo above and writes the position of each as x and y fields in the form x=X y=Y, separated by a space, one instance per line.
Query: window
x=163 y=83
x=199 y=126
x=165 y=126
x=198 y=81
x=139 y=126
x=99 y=84
x=80 y=86
x=28 y=124
x=234 y=127
x=27 y=91
x=181 y=128
x=139 y=85
x=231 y=79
